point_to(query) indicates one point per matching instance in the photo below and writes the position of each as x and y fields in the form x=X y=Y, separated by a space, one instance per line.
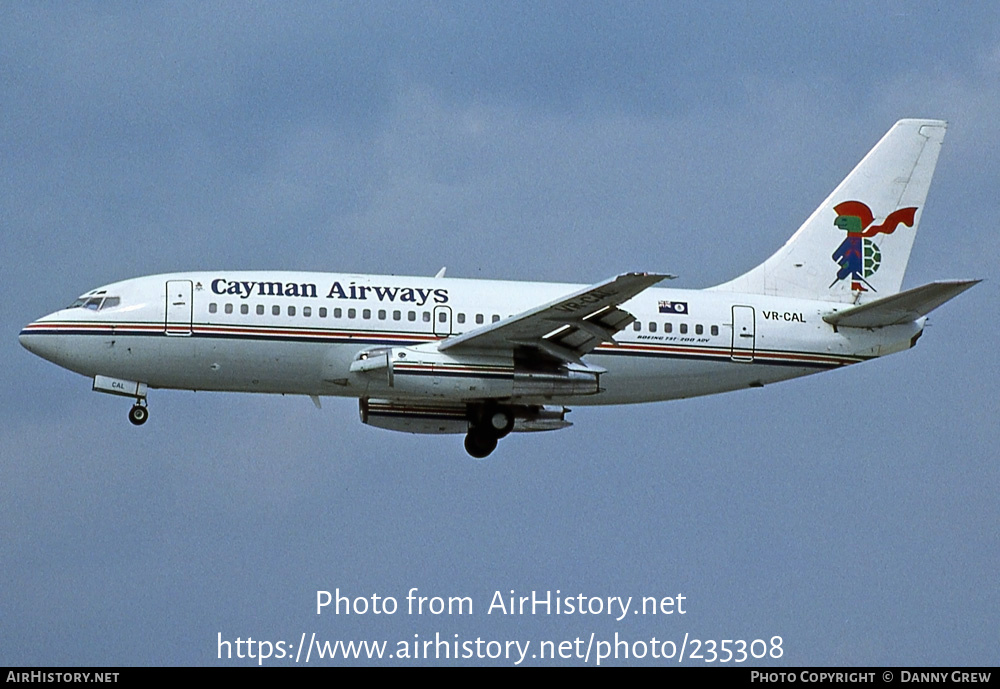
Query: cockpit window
x=95 y=302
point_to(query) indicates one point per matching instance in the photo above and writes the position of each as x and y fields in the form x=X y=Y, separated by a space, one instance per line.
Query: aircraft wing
x=900 y=308
x=567 y=328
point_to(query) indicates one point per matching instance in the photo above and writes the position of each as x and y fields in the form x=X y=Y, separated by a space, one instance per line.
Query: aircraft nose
x=33 y=338
x=28 y=339
x=25 y=338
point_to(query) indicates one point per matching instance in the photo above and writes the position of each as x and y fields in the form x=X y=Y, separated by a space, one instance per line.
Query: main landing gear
x=138 y=414
x=488 y=425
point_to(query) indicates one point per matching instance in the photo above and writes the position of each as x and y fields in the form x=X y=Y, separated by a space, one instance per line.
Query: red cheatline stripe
x=727 y=351
x=308 y=332
x=210 y=329
x=94 y=326
x=123 y=328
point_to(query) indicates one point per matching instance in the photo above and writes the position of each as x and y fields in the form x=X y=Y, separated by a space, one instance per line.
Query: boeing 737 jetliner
x=486 y=358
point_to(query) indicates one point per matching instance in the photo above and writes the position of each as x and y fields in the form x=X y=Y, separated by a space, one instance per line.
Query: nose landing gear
x=138 y=414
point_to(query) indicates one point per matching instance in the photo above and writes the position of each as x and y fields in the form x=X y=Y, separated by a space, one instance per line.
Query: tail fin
x=855 y=246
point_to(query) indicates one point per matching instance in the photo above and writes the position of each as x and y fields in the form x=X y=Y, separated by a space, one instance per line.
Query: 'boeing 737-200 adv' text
x=486 y=358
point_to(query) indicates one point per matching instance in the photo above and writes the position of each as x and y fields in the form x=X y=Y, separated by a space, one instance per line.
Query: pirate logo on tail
x=858 y=256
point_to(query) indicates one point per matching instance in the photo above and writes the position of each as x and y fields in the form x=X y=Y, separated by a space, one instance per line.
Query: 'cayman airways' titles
x=244 y=289
x=414 y=295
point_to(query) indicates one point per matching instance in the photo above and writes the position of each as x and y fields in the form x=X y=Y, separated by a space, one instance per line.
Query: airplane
x=485 y=358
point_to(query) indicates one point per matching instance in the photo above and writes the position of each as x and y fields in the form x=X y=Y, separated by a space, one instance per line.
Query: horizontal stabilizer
x=904 y=307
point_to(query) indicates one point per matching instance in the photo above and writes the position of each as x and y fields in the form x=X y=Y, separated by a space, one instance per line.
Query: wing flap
x=567 y=328
x=904 y=307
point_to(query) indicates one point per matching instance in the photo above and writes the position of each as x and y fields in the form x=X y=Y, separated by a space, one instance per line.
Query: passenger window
x=213 y=307
x=338 y=312
x=684 y=328
x=442 y=317
x=668 y=327
x=291 y=310
x=229 y=308
x=397 y=315
x=652 y=327
x=698 y=329
x=322 y=312
x=366 y=314
x=260 y=309
x=461 y=318
x=495 y=318
x=637 y=326
x=427 y=316
x=352 y=313
x=307 y=311
x=275 y=310
x=715 y=330
x=244 y=309
x=381 y=314
x=479 y=319
x=411 y=316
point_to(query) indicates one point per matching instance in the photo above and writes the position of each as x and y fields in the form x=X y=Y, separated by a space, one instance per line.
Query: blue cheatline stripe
x=797 y=359
x=759 y=357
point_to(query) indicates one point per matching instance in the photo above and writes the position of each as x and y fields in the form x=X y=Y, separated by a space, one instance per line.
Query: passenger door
x=744 y=337
x=179 y=310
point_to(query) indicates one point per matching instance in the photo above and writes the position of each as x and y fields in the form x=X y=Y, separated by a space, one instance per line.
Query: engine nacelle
x=444 y=417
x=422 y=371
x=414 y=417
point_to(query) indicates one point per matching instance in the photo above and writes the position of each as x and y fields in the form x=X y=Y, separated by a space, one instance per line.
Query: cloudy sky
x=853 y=513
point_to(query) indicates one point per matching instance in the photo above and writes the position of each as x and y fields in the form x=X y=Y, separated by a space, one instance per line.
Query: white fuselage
x=298 y=333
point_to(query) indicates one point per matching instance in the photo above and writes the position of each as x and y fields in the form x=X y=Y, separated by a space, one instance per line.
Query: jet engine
x=423 y=372
x=427 y=417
